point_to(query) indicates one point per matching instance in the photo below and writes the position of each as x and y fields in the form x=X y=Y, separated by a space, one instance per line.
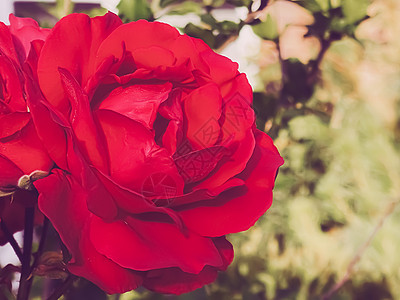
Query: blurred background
x=326 y=80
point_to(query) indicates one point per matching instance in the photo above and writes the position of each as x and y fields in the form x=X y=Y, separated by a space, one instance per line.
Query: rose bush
x=157 y=153
x=21 y=152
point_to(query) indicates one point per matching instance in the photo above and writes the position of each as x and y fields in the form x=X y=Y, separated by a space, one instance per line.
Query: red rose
x=21 y=152
x=157 y=150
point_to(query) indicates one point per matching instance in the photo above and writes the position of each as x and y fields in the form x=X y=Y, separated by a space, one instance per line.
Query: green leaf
x=228 y=26
x=308 y=127
x=355 y=10
x=209 y=20
x=185 y=8
x=201 y=33
x=338 y=25
x=239 y=3
x=133 y=10
x=97 y=11
x=220 y=39
x=213 y=3
x=165 y=3
x=217 y=3
x=324 y=4
x=267 y=30
x=311 y=5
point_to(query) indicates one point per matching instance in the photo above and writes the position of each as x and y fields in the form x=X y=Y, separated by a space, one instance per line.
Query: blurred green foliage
x=335 y=118
x=133 y=10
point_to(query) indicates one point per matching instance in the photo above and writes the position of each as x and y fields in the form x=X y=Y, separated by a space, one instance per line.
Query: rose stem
x=24 y=287
x=62 y=288
x=11 y=239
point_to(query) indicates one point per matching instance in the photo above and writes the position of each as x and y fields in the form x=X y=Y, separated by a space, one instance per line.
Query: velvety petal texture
x=157 y=154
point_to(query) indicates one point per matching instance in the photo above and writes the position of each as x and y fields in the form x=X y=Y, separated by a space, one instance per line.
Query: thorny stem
x=350 y=268
x=24 y=285
x=11 y=240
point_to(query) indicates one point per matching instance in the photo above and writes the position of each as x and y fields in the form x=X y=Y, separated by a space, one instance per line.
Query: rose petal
x=178 y=74
x=138 y=102
x=222 y=69
x=98 y=200
x=203 y=109
x=62 y=197
x=136 y=35
x=152 y=245
x=197 y=165
x=26 y=151
x=240 y=213
x=81 y=36
x=10 y=173
x=103 y=272
x=175 y=281
x=13 y=122
x=185 y=47
x=26 y=30
x=11 y=84
x=33 y=57
x=49 y=126
x=204 y=197
x=237 y=110
x=134 y=203
x=134 y=155
x=6 y=43
x=81 y=119
x=240 y=155
x=153 y=57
